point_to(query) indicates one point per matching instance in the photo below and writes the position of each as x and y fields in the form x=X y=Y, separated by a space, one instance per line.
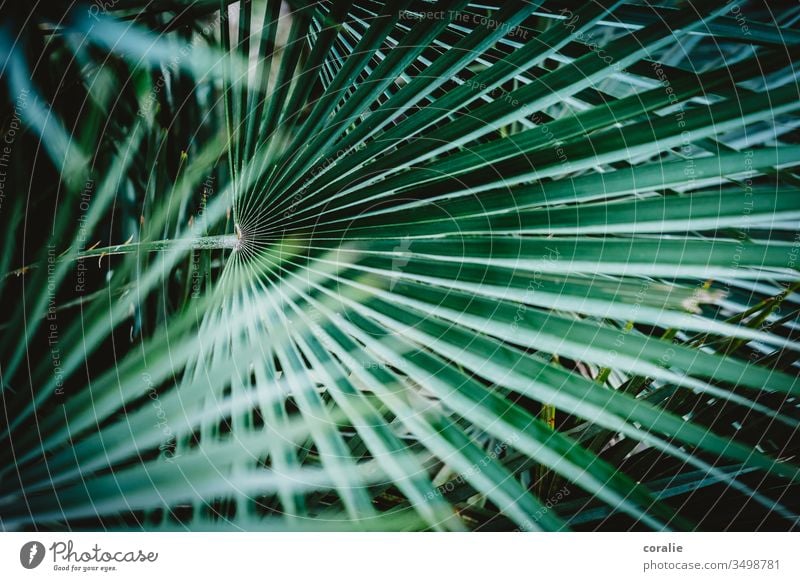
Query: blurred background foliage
x=398 y=266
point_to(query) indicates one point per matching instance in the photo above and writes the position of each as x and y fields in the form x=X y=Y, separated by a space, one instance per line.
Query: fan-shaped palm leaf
x=401 y=265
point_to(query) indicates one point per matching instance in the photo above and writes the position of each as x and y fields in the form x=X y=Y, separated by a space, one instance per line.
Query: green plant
x=400 y=265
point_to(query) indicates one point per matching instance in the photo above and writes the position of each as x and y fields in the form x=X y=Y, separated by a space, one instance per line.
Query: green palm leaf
x=400 y=265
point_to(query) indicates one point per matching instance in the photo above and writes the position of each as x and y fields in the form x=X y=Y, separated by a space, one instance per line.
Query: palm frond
x=400 y=265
